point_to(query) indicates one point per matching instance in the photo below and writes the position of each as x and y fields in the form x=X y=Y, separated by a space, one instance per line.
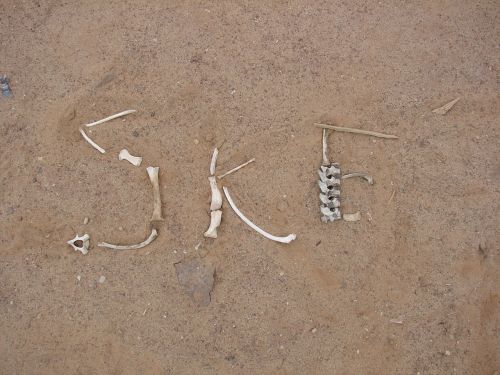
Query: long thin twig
x=235 y=169
x=356 y=131
x=92 y=143
x=124 y=113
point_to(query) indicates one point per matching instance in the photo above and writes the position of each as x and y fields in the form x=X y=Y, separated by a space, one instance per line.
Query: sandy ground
x=257 y=76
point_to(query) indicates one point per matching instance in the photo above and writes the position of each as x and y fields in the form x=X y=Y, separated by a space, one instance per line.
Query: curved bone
x=216 y=202
x=286 y=239
x=153 y=177
x=92 y=143
x=124 y=113
x=85 y=239
x=213 y=162
x=363 y=175
x=352 y=217
x=125 y=155
x=215 y=218
x=146 y=242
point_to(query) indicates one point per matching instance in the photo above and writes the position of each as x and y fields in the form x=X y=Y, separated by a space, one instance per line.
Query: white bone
x=125 y=155
x=363 y=175
x=352 y=217
x=213 y=162
x=286 y=239
x=146 y=242
x=325 y=146
x=124 y=113
x=445 y=108
x=153 y=177
x=85 y=239
x=216 y=202
x=235 y=169
x=331 y=202
x=92 y=143
x=215 y=218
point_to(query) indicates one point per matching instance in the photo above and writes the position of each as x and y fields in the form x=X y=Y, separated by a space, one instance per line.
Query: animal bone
x=216 y=202
x=329 y=190
x=286 y=239
x=330 y=202
x=235 y=169
x=215 y=218
x=153 y=176
x=85 y=240
x=330 y=214
x=213 y=162
x=445 y=108
x=325 y=147
x=356 y=131
x=124 y=113
x=146 y=242
x=352 y=217
x=363 y=175
x=92 y=143
x=125 y=155
x=329 y=179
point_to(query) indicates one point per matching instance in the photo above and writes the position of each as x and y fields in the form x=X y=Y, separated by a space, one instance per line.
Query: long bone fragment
x=216 y=202
x=146 y=242
x=215 y=219
x=356 y=131
x=85 y=242
x=213 y=162
x=124 y=113
x=363 y=175
x=125 y=155
x=235 y=169
x=153 y=177
x=286 y=239
x=92 y=143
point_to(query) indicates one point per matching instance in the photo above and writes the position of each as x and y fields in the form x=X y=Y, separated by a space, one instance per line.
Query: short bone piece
x=125 y=155
x=215 y=219
x=216 y=202
x=153 y=176
x=146 y=242
x=80 y=243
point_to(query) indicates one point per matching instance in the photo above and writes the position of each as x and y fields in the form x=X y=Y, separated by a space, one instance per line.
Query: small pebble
x=78 y=277
x=447 y=352
x=102 y=279
x=86 y=220
x=196 y=141
x=313 y=330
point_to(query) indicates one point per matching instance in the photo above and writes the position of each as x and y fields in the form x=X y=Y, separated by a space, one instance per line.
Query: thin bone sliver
x=235 y=169
x=216 y=202
x=363 y=175
x=215 y=219
x=92 y=143
x=125 y=155
x=352 y=217
x=146 y=242
x=356 y=131
x=286 y=239
x=445 y=108
x=325 y=147
x=112 y=117
x=153 y=177
x=213 y=162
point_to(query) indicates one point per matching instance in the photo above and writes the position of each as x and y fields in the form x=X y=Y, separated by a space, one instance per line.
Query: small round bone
x=216 y=202
x=286 y=239
x=125 y=155
x=215 y=219
x=146 y=242
x=85 y=239
x=153 y=177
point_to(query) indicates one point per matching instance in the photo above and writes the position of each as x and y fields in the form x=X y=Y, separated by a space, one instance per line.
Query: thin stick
x=91 y=142
x=286 y=239
x=325 y=147
x=214 y=161
x=356 y=131
x=124 y=113
x=392 y=196
x=235 y=169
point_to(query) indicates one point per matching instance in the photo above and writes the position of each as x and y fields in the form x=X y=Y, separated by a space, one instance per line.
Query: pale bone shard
x=152 y=236
x=235 y=169
x=125 y=155
x=352 y=217
x=445 y=108
x=85 y=240
x=216 y=202
x=286 y=239
x=213 y=162
x=325 y=147
x=363 y=175
x=153 y=177
x=92 y=143
x=215 y=219
x=124 y=113
x=356 y=131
